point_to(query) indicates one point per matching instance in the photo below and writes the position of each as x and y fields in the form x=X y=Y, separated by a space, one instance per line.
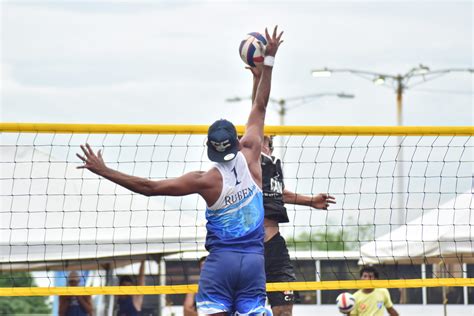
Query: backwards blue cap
x=222 y=142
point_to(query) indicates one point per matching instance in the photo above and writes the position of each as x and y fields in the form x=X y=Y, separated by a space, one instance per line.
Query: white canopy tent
x=57 y=217
x=445 y=234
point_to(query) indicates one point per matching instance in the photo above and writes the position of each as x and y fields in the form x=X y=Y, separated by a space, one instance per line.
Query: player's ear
x=240 y=144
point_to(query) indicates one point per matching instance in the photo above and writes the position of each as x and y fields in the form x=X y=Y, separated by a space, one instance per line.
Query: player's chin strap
x=269 y=61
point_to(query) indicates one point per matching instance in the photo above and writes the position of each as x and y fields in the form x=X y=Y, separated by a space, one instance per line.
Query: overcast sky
x=175 y=62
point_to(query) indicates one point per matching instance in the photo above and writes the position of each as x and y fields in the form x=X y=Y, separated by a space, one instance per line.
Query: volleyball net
x=404 y=204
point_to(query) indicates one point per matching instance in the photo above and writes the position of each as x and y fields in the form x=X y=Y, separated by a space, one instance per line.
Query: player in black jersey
x=278 y=267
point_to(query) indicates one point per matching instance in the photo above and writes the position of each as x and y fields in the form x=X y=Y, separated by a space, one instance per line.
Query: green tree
x=21 y=304
x=347 y=238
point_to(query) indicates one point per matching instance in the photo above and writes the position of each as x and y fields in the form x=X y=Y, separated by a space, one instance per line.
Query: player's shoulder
x=210 y=174
x=383 y=291
x=268 y=159
x=357 y=294
x=251 y=143
x=207 y=178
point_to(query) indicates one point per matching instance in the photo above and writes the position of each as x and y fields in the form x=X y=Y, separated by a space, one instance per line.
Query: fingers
x=274 y=37
x=84 y=150
x=89 y=149
x=81 y=157
x=279 y=40
x=99 y=154
x=329 y=198
x=279 y=37
x=83 y=160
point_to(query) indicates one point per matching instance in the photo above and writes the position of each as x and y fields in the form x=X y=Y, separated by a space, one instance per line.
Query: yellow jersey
x=371 y=304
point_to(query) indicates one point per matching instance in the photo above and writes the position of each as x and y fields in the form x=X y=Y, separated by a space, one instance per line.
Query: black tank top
x=273 y=185
x=126 y=307
x=75 y=308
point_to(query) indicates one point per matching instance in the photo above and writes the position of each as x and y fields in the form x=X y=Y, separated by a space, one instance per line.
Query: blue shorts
x=232 y=282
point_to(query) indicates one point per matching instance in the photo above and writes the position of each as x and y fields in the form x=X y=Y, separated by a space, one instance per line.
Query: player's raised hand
x=93 y=162
x=273 y=42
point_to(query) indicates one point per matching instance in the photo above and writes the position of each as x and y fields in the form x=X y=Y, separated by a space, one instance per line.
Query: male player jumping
x=233 y=278
x=278 y=267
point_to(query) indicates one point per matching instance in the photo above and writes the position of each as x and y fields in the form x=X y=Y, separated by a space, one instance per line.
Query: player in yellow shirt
x=371 y=302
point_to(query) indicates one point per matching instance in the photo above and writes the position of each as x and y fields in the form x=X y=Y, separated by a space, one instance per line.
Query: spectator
x=189 y=305
x=75 y=305
x=130 y=305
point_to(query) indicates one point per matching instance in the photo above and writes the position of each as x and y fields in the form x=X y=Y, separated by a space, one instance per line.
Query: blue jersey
x=235 y=221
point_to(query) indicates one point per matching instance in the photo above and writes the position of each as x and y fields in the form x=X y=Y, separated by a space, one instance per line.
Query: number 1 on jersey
x=235 y=174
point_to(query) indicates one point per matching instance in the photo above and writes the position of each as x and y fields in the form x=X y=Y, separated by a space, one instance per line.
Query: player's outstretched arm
x=192 y=182
x=257 y=74
x=320 y=201
x=253 y=137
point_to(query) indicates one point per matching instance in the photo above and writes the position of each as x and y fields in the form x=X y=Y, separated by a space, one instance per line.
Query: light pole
x=283 y=105
x=400 y=82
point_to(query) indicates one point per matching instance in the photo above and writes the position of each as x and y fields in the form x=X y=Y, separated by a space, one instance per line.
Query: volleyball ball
x=345 y=302
x=250 y=51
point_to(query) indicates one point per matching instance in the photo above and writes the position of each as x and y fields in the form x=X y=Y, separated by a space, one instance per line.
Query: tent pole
x=109 y=306
x=162 y=281
x=445 y=302
x=444 y=272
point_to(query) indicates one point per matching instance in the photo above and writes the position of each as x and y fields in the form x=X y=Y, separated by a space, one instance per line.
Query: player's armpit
x=251 y=144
